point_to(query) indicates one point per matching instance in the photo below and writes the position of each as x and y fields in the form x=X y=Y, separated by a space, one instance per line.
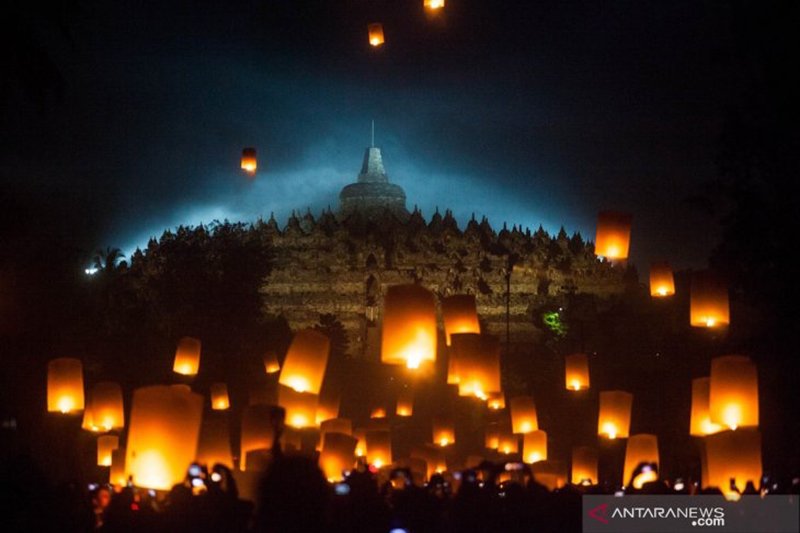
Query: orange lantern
x=733 y=392
x=492 y=435
x=614 y=418
x=733 y=455
x=337 y=456
x=523 y=414
x=551 y=474
x=460 y=315
x=709 y=306
x=116 y=474
x=534 y=446
x=576 y=371
x=335 y=425
x=292 y=439
x=405 y=402
x=433 y=6
x=452 y=367
x=163 y=436
x=271 y=364
x=700 y=423
x=584 y=466
x=435 y=461
x=106 y=444
x=361 y=445
x=328 y=406
x=496 y=401
x=301 y=407
x=613 y=235
x=214 y=446
x=187 y=357
x=507 y=442
x=479 y=364
x=258 y=430
x=104 y=411
x=409 y=326
x=378 y=412
x=375 y=31
x=662 y=282
x=219 y=397
x=304 y=366
x=444 y=432
x=379 y=448
x=65 y=385
x=641 y=448
x=249 y=161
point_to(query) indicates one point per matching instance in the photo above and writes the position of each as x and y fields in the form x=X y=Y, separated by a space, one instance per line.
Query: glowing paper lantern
x=479 y=364
x=106 y=444
x=534 y=446
x=433 y=456
x=378 y=412
x=214 y=446
x=187 y=357
x=116 y=474
x=523 y=414
x=328 y=406
x=258 y=430
x=492 y=436
x=641 y=448
x=65 y=385
x=613 y=235
x=700 y=423
x=405 y=402
x=337 y=456
x=304 y=366
x=271 y=364
x=507 y=442
x=662 y=282
x=733 y=455
x=444 y=432
x=584 y=466
x=249 y=161
x=460 y=315
x=733 y=392
x=452 y=367
x=709 y=306
x=576 y=371
x=219 y=397
x=409 y=326
x=301 y=407
x=163 y=435
x=361 y=445
x=496 y=401
x=335 y=425
x=375 y=31
x=292 y=439
x=433 y=5
x=107 y=408
x=614 y=418
x=379 y=448
x=551 y=474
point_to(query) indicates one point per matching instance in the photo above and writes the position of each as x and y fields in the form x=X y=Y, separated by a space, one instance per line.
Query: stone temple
x=342 y=262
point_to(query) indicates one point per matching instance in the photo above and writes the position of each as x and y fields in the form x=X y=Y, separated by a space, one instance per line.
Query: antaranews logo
x=600 y=513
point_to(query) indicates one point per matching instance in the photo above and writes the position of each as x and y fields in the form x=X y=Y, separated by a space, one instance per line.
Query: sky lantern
x=733 y=455
x=361 y=445
x=249 y=161
x=534 y=446
x=433 y=456
x=105 y=445
x=337 y=455
x=379 y=411
x=613 y=235
x=271 y=364
x=214 y=446
x=375 y=31
x=433 y=6
x=301 y=407
x=478 y=364
x=335 y=425
x=116 y=474
x=551 y=474
x=444 y=431
x=187 y=357
x=507 y=442
x=405 y=402
x=292 y=439
x=460 y=315
x=162 y=436
x=709 y=306
x=219 y=397
x=733 y=392
x=576 y=371
x=700 y=423
x=641 y=448
x=65 y=385
x=258 y=430
x=496 y=401
x=304 y=366
x=584 y=465
x=409 y=326
x=328 y=404
x=107 y=410
x=662 y=282
x=379 y=447
x=614 y=418
x=492 y=435
x=523 y=414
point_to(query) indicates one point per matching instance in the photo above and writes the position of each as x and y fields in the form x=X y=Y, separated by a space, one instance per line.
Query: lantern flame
x=610 y=430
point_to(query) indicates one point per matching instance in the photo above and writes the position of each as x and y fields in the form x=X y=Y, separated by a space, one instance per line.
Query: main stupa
x=372 y=195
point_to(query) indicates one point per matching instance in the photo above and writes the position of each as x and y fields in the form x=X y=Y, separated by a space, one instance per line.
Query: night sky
x=528 y=113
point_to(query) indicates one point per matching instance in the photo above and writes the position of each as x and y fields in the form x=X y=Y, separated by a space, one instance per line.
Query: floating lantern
x=492 y=435
x=444 y=432
x=452 y=367
x=613 y=235
x=733 y=392
x=337 y=456
x=163 y=436
x=434 y=457
x=523 y=414
x=328 y=406
x=409 y=326
x=187 y=357
x=271 y=364
x=301 y=407
x=433 y=6
x=662 y=282
x=304 y=366
x=614 y=418
x=214 y=446
x=375 y=31
x=107 y=410
x=379 y=448
x=479 y=364
x=335 y=425
x=496 y=401
x=551 y=474
x=258 y=430
x=65 y=385
x=116 y=474
x=361 y=445
x=405 y=402
x=181 y=387
x=733 y=455
x=700 y=423
x=534 y=446
x=88 y=420
x=249 y=160
x=460 y=315
x=576 y=371
x=641 y=448
x=378 y=412
x=106 y=444
x=584 y=466
x=709 y=306
x=219 y=397
x=507 y=442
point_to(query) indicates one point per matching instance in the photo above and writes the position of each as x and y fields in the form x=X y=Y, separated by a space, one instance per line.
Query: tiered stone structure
x=341 y=264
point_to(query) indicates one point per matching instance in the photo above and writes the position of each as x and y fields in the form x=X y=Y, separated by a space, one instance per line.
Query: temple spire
x=372 y=143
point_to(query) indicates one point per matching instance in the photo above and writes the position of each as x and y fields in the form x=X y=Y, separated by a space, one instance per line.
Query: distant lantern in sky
x=258 y=430
x=584 y=465
x=662 y=282
x=433 y=456
x=492 y=435
x=433 y=5
x=271 y=364
x=361 y=445
x=379 y=411
x=700 y=423
x=496 y=401
x=523 y=414
x=214 y=446
x=65 y=385
x=337 y=455
x=379 y=448
x=733 y=392
x=301 y=407
x=162 y=436
x=106 y=444
x=551 y=474
x=187 y=357
x=614 y=418
x=305 y=362
x=444 y=432
x=219 y=397
x=249 y=161
x=105 y=407
x=116 y=474
x=641 y=448
x=479 y=364
x=507 y=442
x=709 y=305
x=375 y=31
x=405 y=402
x=534 y=446
x=409 y=326
x=733 y=455
x=576 y=371
x=613 y=235
x=460 y=315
